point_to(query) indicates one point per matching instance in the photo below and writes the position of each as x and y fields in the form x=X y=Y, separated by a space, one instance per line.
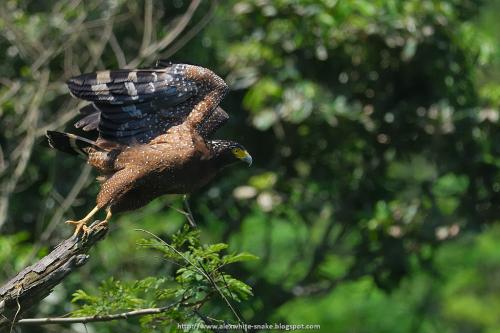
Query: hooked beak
x=243 y=155
x=247 y=158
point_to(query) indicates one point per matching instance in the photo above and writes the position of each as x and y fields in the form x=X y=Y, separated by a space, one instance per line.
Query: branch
x=89 y=319
x=191 y=33
x=35 y=282
x=117 y=316
x=169 y=37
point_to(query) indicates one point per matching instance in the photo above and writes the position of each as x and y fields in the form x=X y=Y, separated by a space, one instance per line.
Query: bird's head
x=229 y=152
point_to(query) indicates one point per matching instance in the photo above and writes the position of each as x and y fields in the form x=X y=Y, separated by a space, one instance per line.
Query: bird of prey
x=155 y=131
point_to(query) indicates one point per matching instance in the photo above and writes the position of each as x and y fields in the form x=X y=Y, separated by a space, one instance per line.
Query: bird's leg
x=108 y=217
x=82 y=224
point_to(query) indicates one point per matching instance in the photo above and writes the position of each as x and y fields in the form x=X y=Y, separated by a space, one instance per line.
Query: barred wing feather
x=134 y=106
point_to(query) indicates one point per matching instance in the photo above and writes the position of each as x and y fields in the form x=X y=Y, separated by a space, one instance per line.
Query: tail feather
x=70 y=143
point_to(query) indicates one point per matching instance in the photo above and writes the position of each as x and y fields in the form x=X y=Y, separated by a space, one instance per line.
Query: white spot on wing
x=131 y=89
x=72 y=142
x=132 y=76
x=151 y=87
x=101 y=88
x=103 y=77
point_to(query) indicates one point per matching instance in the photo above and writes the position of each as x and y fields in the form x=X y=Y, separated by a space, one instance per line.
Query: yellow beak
x=247 y=158
x=243 y=155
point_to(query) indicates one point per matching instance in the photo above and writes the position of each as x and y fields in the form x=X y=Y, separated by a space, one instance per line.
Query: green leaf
x=81 y=295
x=217 y=247
x=244 y=256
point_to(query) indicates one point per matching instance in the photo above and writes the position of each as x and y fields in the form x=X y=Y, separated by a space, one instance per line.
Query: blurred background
x=373 y=201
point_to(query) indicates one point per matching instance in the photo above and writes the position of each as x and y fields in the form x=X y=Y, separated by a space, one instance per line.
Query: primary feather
x=135 y=106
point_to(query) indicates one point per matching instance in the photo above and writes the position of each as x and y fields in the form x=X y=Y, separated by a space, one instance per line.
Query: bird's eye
x=238 y=153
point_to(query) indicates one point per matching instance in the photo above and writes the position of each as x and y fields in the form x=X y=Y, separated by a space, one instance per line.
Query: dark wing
x=133 y=123
x=124 y=86
x=134 y=106
x=211 y=124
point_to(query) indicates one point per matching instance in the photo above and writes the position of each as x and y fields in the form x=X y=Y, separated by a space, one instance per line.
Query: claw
x=105 y=222
x=101 y=224
x=80 y=226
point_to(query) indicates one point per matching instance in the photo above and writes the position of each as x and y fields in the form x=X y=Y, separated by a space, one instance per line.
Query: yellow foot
x=105 y=222
x=80 y=226
x=101 y=224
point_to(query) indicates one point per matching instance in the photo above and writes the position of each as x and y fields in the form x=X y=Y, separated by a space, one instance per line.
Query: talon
x=101 y=224
x=105 y=221
x=80 y=226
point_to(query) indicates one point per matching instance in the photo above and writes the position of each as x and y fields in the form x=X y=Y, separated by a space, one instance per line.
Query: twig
x=66 y=204
x=179 y=44
x=148 y=20
x=98 y=50
x=189 y=213
x=24 y=149
x=117 y=49
x=201 y=271
x=228 y=303
x=14 y=87
x=169 y=37
x=207 y=320
x=90 y=319
x=61 y=210
x=175 y=250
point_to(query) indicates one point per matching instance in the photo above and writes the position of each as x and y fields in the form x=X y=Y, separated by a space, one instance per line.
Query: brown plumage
x=154 y=130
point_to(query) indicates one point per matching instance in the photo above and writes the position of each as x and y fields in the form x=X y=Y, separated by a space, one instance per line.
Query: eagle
x=155 y=134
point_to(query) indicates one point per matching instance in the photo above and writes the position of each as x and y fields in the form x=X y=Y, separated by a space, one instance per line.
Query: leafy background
x=373 y=200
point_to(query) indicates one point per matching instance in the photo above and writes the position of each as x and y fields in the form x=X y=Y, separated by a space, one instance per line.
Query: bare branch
x=35 y=282
x=148 y=20
x=183 y=302
x=117 y=49
x=189 y=213
x=169 y=37
x=97 y=51
x=61 y=210
x=67 y=202
x=90 y=319
x=23 y=151
x=185 y=38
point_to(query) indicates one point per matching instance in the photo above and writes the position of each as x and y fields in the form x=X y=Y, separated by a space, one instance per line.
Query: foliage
x=198 y=278
x=460 y=296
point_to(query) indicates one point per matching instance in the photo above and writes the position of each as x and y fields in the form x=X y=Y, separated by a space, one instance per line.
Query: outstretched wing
x=212 y=123
x=124 y=86
x=135 y=106
x=132 y=123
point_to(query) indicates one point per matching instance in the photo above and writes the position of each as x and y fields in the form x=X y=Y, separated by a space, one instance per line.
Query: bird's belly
x=184 y=181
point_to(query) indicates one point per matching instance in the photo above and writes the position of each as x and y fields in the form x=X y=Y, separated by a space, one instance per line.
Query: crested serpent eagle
x=155 y=131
